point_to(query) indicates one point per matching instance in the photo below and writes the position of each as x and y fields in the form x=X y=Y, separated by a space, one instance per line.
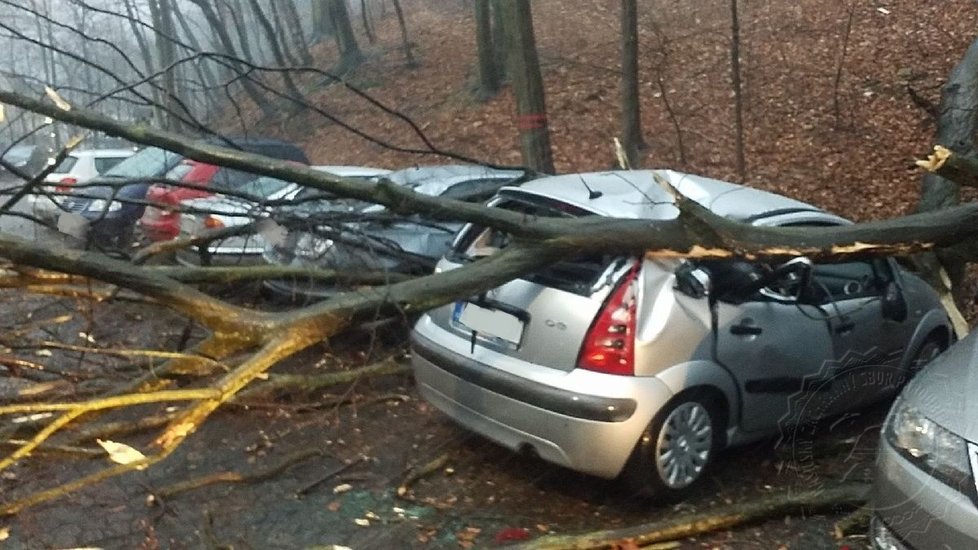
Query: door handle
x=745 y=329
x=845 y=327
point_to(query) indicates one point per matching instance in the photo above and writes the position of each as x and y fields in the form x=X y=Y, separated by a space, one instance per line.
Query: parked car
x=77 y=167
x=618 y=365
x=925 y=493
x=228 y=211
x=112 y=201
x=352 y=236
x=113 y=210
x=161 y=219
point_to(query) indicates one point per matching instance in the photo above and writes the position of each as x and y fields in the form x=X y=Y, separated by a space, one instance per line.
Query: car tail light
x=64 y=185
x=210 y=222
x=609 y=345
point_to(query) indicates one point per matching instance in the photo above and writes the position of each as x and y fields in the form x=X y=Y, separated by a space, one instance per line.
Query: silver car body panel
x=674 y=343
x=915 y=506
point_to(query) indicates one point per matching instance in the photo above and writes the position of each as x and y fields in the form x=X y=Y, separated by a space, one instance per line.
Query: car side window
x=849 y=280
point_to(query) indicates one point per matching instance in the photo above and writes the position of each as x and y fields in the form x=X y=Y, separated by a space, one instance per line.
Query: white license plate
x=492 y=322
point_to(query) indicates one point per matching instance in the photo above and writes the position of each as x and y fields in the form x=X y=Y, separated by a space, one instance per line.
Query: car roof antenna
x=591 y=193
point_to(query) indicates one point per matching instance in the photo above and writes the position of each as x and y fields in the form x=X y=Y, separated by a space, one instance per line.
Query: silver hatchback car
x=644 y=368
x=925 y=493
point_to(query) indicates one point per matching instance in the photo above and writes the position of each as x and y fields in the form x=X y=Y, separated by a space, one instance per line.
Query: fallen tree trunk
x=724 y=517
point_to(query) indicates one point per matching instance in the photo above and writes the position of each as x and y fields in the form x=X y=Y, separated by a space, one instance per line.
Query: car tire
x=676 y=450
x=926 y=351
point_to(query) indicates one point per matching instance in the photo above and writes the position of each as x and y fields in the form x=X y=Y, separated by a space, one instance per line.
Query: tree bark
x=282 y=33
x=737 y=91
x=488 y=71
x=405 y=43
x=146 y=53
x=220 y=30
x=350 y=54
x=631 y=121
x=277 y=54
x=524 y=72
x=365 y=17
x=161 y=12
x=298 y=33
x=204 y=69
x=956 y=126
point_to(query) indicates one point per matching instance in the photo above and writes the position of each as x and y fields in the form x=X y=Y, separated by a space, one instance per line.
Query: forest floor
x=834 y=114
x=328 y=464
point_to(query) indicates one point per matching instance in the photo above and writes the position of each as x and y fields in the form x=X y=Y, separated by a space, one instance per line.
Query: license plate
x=491 y=322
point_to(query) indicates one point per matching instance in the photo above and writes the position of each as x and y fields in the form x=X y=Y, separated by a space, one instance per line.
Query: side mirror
x=894 y=305
x=692 y=281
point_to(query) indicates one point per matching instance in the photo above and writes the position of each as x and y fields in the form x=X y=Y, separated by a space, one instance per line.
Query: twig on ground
x=719 y=518
x=259 y=474
x=308 y=488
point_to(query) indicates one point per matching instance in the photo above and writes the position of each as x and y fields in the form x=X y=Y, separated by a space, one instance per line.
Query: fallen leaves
x=120 y=453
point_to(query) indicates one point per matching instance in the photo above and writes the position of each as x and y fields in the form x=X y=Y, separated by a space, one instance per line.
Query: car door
x=776 y=348
x=867 y=346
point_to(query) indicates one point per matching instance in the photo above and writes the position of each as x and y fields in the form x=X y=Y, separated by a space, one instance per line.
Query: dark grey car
x=643 y=367
x=354 y=237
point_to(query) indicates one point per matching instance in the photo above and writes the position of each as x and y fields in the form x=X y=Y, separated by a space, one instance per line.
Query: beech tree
x=524 y=73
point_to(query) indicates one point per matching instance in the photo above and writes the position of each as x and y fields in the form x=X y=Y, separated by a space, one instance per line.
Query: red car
x=161 y=221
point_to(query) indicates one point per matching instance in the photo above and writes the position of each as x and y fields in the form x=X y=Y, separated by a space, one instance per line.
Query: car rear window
x=579 y=275
x=67 y=164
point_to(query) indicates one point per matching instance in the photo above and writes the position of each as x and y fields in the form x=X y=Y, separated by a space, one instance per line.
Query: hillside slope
x=828 y=115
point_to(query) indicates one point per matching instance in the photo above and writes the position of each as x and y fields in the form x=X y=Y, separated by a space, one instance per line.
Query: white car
x=77 y=167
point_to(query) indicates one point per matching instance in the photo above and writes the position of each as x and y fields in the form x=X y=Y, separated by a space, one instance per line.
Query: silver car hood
x=945 y=390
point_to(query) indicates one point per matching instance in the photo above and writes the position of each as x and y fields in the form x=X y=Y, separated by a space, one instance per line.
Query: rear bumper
x=911 y=509
x=590 y=433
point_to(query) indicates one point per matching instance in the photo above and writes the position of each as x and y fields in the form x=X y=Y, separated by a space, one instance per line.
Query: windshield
x=151 y=162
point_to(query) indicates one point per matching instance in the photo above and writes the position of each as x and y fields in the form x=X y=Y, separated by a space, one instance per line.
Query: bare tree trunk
x=161 y=12
x=132 y=18
x=350 y=55
x=488 y=71
x=321 y=24
x=204 y=70
x=499 y=41
x=282 y=33
x=738 y=99
x=234 y=11
x=298 y=34
x=405 y=43
x=957 y=122
x=220 y=30
x=280 y=60
x=366 y=22
x=524 y=71
x=631 y=121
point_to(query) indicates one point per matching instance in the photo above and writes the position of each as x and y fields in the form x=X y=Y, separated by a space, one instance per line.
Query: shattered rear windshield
x=578 y=275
